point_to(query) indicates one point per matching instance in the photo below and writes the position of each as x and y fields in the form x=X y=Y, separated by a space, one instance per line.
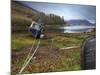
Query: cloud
x=69 y=11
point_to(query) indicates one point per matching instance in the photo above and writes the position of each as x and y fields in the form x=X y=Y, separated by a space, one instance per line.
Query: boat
x=36 y=29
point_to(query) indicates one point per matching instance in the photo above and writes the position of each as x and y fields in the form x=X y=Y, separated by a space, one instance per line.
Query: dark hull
x=35 y=33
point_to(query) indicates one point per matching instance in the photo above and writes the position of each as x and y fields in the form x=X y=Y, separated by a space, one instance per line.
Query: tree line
x=51 y=19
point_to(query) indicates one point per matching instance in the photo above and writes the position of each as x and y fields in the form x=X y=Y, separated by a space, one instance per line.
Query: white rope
x=29 y=53
x=29 y=58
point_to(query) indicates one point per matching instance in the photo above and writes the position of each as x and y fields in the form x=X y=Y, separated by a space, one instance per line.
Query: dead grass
x=47 y=58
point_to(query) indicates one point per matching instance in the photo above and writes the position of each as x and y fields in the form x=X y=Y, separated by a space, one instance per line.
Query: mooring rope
x=29 y=52
x=28 y=60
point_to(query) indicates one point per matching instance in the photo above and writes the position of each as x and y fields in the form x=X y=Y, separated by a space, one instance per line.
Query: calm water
x=77 y=29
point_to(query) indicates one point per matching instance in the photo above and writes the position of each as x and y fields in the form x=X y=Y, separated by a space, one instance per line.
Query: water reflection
x=77 y=29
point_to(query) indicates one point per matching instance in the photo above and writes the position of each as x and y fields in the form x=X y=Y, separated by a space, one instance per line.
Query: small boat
x=36 y=29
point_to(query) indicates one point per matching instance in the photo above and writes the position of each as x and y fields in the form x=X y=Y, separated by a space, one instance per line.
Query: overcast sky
x=67 y=10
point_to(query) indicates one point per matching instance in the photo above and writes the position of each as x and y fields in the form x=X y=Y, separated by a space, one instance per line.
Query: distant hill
x=79 y=22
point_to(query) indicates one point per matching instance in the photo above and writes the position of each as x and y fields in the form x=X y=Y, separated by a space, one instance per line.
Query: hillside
x=22 y=15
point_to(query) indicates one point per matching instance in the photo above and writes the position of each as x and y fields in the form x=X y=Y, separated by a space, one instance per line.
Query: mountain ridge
x=80 y=22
